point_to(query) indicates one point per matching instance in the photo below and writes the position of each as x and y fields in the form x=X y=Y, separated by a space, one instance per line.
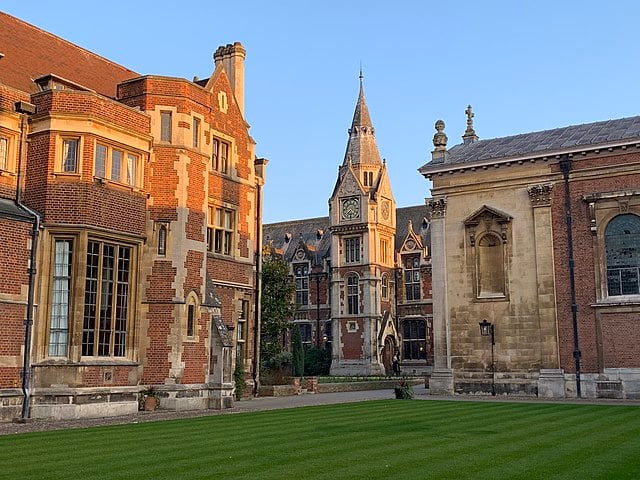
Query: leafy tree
x=298 y=352
x=317 y=361
x=278 y=292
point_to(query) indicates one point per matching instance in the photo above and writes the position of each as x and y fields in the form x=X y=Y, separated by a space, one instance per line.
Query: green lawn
x=394 y=439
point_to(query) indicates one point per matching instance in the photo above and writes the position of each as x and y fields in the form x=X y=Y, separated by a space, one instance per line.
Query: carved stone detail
x=540 y=195
x=438 y=207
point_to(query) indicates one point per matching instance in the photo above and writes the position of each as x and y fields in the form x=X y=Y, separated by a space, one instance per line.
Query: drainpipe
x=255 y=373
x=565 y=168
x=25 y=109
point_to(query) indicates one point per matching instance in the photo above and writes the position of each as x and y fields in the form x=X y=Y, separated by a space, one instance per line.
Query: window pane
x=196 y=132
x=101 y=159
x=3 y=153
x=90 y=299
x=106 y=300
x=69 y=155
x=116 y=165
x=60 y=298
x=165 y=126
x=132 y=162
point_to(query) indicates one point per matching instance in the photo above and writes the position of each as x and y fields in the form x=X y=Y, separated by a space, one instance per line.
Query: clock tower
x=362 y=214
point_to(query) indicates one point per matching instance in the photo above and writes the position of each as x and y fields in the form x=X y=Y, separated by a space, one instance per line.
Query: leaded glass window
x=622 y=240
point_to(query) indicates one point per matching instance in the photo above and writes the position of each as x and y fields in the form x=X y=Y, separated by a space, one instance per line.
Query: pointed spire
x=361 y=116
x=362 y=148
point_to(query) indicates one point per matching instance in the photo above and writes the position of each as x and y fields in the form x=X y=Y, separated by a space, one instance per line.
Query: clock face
x=385 y=210
x=350 y=208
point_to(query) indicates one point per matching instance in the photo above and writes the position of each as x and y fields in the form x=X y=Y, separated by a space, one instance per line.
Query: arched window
x=414 y=339
x=622 y=246
x=490 y=266
x=162 y=240
x=191 y=315
x=385 y=286
x=353 y=303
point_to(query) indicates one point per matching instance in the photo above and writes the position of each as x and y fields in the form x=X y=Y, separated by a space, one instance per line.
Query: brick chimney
x=232 y=58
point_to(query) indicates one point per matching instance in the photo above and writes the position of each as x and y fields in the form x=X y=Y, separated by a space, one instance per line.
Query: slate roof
x=30 y=53
x=285 y=236
x=557 y=140
x=10 y=209
x=277 y=233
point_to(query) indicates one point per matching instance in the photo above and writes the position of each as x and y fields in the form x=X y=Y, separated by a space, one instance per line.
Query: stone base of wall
x=346 y=368
x=10 y=404
x=195 y=397
x=441 y=382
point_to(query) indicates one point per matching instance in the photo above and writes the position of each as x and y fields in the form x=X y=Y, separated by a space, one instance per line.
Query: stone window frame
x=221 y=164
x=191 y=317
x=384 y=286
x=61 y=167
x=58 y=326
x=196 y=126
x=166 y=126
x=602 y=208
x=227 y=232
x=8 y=152
x=242 y=329
x=352 y=293
x=352 y=249
x=78 y=296
x=127 y=176
x=409 y=278
x=415 y=341
x=488 y=223
x=301 y=279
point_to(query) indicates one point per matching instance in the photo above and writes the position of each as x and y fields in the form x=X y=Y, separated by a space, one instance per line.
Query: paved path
x=272 y=403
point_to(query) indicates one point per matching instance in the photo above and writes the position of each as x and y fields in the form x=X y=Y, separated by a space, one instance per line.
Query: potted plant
x=148 y=400
x=403 y=389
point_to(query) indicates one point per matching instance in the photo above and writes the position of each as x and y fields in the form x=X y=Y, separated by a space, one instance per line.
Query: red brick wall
x=620 y=340
x=11 y=342
x=584 y=257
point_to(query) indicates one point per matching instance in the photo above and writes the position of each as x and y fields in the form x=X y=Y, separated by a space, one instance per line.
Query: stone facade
x=144 y=191
x=510 y=213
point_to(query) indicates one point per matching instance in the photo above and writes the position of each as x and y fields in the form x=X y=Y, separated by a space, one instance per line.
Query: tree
x=278 y=291
x=298 y=352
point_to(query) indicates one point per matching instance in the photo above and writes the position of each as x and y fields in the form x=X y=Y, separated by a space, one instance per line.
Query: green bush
x=317 y=361
x=238 y=377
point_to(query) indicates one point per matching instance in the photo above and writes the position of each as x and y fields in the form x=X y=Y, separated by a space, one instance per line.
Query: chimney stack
x=232 y=58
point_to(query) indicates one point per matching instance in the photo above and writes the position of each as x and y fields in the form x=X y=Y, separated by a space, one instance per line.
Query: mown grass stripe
x=378 y=439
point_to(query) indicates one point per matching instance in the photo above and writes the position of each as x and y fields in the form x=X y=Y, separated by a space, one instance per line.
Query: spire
x=362 y=146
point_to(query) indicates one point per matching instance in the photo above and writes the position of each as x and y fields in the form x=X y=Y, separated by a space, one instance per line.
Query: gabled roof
x=285 y=236
x=419 y=216
x=361 y=147
x=559 y=140
x=30 y=53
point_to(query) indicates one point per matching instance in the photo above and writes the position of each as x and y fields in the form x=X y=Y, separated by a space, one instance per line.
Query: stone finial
x=440 y=139
x=469 y=134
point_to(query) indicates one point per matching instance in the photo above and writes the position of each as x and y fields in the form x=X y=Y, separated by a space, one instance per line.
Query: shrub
x=317 y=361
x=298 y=353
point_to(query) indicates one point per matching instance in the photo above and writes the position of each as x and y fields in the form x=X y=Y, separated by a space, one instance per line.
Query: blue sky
x=523 y=65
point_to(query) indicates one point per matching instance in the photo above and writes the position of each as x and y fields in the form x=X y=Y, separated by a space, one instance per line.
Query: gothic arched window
x=622 y=246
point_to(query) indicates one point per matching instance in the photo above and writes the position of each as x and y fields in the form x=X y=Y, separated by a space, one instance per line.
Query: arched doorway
x=387 y=355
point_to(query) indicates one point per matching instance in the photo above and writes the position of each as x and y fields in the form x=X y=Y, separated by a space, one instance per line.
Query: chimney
x=232 y=58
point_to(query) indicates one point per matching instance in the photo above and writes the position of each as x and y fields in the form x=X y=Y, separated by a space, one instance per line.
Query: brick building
x=130 y=217
x=538 y=235
x=362 y=274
